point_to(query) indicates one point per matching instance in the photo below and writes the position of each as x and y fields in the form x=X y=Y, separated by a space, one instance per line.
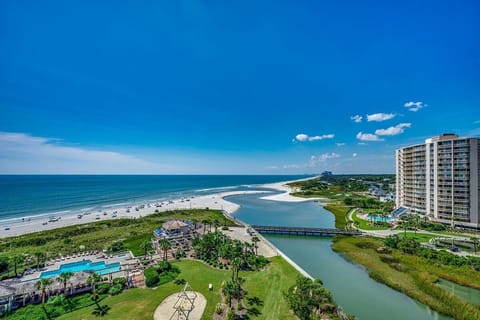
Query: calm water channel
x=349 y=283
x=465 y=293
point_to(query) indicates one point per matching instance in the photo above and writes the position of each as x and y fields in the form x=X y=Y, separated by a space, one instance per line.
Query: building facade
x=440 y=179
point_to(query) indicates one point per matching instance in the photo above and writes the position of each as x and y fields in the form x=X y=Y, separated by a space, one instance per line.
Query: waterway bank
x=410 y=275
x=349 y=283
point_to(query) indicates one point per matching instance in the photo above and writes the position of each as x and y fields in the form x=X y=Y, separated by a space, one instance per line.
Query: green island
x=236 y=282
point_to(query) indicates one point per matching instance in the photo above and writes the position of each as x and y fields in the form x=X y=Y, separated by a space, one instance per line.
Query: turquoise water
x=26 y=196
x=99 y=268
x=349 y=283
x=380 y=219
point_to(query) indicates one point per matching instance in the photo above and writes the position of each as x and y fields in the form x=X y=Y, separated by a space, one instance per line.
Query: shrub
x=152 y=281
x=180 y=281
x=103 y=288
x=120 y=281
x=151 y=277
x=116 y=289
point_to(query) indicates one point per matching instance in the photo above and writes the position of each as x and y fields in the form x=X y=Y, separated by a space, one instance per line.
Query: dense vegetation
x=415 y=275
x=163 y=272
x=309 y=300
x=434 y=257
x=218 y=250
x=32 y=250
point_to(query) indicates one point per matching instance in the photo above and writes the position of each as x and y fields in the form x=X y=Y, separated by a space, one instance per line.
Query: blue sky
x=262 y=87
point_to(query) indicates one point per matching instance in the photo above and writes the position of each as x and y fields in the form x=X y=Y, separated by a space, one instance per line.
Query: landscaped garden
x=33 y=250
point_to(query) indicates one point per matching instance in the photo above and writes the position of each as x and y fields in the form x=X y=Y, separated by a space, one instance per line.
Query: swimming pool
x=380 y=218
x=99 y=268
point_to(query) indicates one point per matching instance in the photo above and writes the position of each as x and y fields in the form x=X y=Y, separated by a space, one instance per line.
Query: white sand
x=213 y=201
x=285 y=196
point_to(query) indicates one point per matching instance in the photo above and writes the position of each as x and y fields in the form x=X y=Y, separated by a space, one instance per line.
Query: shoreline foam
x=18 y=227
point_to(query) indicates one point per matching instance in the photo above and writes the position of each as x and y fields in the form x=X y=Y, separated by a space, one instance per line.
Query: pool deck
x=55 y=265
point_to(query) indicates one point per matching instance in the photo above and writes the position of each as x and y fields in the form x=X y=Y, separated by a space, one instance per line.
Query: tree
x=93 y=279
x=165 y=245
x=204 y=222
x=17 y=260
x=39 y=256
x=216 y=224
x=43 y=285
x=63 y=278
x=146 y=246
x=255 y=241
x=475 y=243
x=237 y=263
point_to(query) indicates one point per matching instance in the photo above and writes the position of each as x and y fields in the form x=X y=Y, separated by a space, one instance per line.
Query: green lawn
x=268 y=285
x=134 y=243
x=420 y=237
x=340 y=212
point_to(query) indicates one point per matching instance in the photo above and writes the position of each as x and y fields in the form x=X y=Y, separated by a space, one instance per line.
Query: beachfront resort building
x=440 y=179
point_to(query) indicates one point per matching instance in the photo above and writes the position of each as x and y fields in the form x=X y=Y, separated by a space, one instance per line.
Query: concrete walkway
x=166 y=310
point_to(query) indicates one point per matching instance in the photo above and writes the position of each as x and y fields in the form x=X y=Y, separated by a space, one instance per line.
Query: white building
x=440 y=179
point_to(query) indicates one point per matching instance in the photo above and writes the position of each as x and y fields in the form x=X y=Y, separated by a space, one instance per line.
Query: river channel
x=349 y=283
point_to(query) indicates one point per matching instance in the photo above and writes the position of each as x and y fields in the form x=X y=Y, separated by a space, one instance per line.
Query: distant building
x=440 y=179
x=326 y=174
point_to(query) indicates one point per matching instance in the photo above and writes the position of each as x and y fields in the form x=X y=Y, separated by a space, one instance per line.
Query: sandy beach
x=213 y=201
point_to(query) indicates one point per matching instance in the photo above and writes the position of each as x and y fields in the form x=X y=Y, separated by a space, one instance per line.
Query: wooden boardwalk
x=301 y=231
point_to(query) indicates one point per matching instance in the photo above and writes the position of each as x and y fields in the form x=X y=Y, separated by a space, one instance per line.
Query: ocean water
x=25 y=196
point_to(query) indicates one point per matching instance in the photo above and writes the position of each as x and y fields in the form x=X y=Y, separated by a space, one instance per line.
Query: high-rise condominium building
x=440 y=179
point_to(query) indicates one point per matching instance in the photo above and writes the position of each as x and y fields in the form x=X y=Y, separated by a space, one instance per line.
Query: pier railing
x=302 y=231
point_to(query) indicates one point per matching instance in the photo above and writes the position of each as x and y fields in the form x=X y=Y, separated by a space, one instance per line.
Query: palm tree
x=63 y=278
x=165 y=245
x=43 y=285
x=204 y=222
x=38 y=255
x=475 y=242
x=146 y=246
x=93 y=279
x=236 y=264
x=255 y=241
x=216 y=224
x=17 y=260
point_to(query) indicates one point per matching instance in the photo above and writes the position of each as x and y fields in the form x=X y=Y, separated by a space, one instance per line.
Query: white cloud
x=302 y=137
x=393 y=131
x=414 y=106
x=354 y=155
x=380 y=117
x=340 y=144
x=320 y=159
x=368 y=137
x=356 y=118
x=24 y=153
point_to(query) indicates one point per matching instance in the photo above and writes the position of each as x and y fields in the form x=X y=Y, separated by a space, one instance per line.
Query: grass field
x=340 y=212
x=268 y=285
